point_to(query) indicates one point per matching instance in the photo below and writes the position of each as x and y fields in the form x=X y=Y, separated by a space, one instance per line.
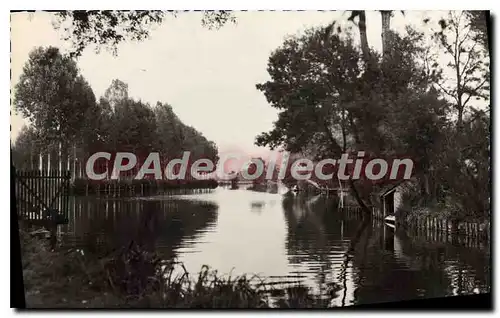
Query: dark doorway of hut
x=388 y=209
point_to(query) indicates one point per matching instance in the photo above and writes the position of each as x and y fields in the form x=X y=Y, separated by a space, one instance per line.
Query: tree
x=134 y=127
x=332 y=102
x=96 y=128
x=310 y=78
x=463 y=172
x=116 y=92
x=176 y=137
x=53 y=96
x=386 y=30
x=469 y=63
x=26 y=149
x=479 y=24
x=463 y=164
x=168 y=129
x=109 y=28
x=123 y=124
x=362 y=32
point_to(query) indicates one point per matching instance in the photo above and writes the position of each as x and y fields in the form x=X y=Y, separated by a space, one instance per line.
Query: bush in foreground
x=135 y=278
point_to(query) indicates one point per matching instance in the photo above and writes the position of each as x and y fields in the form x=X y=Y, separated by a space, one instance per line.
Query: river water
x=286 y=239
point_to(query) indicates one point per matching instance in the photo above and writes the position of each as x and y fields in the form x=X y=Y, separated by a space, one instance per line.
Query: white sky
x=207 y=76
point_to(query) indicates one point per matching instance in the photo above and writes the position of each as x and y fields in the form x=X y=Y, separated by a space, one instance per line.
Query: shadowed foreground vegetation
x=134 y=278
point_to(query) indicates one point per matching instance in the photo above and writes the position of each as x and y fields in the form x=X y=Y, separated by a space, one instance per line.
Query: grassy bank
x=134 y=278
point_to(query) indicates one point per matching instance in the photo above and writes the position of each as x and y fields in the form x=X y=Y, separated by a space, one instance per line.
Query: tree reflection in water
x=369 y=263
x=101 y=226
x=340 y=257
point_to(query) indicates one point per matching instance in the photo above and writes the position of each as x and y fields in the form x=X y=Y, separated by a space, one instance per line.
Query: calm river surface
x=285 y=238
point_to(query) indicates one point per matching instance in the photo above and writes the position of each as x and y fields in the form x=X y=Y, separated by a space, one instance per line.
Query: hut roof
x=393 y=186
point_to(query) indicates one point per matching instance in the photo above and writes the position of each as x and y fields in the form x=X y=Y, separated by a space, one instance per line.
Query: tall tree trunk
x=386 y=28
x=59 y=157
x=359 y=199
x=74 y=162
x=337 y=149
x=362 y=34
x=427 y=186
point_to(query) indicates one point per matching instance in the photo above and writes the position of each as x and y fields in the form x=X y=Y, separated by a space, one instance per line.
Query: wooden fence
x=352 y=212
x=42 y=195
x=434 y=227
x=118 y=188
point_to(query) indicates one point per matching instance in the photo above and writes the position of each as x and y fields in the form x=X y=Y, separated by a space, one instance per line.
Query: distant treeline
x=67 y=123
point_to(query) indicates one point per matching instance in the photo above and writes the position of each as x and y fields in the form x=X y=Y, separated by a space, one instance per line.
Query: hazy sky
x=207 y=76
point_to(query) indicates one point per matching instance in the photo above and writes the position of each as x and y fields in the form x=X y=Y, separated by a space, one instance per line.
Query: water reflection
x=101 y=225
x=257 y=206
x=285 y=238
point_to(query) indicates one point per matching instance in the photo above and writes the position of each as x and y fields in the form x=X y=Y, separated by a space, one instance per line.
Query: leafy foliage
x=331 y=102
x=305 y=83
x=463 y=174
x=176 y=137
x=116 y=92
x=479 y=24
x=62 y=109
x=334 y=99
x=53 y=96
x=110 y=28
x=25 y=148
x=461 y=40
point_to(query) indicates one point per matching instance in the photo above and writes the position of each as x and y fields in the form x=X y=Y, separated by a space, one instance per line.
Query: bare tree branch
x=474 y=92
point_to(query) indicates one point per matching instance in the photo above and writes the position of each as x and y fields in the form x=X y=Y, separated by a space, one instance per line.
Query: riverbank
x=135 y=278
x=137 y=187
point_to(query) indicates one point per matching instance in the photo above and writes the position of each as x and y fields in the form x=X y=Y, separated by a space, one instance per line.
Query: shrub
x=133 y=277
